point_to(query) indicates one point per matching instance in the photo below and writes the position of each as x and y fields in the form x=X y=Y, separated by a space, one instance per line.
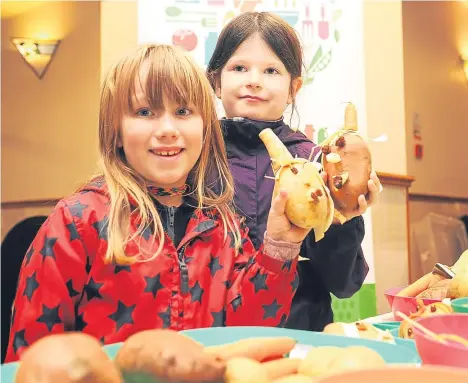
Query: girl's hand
x=422 y=284
x=279 y=228
x=374 y=186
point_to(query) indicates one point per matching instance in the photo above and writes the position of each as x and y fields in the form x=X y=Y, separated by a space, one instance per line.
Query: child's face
x=254 y=83
x=161 y=145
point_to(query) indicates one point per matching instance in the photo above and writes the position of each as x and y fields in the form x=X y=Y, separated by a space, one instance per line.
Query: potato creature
x=67 y=358
x=309 y=204
x=359 y=330
x=325 y=360
x=167 y=356
x=356 y=357
x=406 y=328
x=347 y=161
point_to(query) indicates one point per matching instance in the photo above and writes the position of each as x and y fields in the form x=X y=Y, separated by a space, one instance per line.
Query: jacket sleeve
x=338 y=258
x=262 y=287
x=50 y=283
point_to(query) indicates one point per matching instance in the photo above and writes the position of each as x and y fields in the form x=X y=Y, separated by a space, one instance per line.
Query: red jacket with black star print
x=64 y=283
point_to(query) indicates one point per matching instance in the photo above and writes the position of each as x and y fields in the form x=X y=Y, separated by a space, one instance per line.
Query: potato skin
x=168 y=356
x=72 y=357
x=356 y=160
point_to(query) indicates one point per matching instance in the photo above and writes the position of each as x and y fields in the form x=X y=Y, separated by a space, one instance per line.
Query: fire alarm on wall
x=418 y=151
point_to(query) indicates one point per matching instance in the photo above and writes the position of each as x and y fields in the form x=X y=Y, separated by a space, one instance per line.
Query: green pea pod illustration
x=322 y=63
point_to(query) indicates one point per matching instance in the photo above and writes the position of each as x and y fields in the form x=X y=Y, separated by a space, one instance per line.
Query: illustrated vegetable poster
x=332 y=37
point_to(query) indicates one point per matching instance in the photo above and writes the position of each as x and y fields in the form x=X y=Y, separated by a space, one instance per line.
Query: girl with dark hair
x=256 y=72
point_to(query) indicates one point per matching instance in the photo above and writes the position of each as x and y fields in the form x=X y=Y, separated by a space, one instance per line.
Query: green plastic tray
x=404 y=352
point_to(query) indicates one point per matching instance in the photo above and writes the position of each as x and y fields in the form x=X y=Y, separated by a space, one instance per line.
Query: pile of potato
x=166 y=356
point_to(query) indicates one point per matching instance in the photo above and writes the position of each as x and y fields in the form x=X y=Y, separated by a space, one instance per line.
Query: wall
x=118 y=31
x=49 y=125
x=435 y=33
x=50 y=128
x=384 y=81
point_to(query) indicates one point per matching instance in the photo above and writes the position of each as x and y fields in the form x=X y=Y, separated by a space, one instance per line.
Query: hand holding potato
x=306 y=199
x=279 y=227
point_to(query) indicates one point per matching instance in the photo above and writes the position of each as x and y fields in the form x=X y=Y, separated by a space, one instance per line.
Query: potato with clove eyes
x=309 y=204
x=347 y=161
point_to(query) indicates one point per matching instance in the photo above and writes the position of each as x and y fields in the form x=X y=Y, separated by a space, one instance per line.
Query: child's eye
x=145 y=112
x=239 y=68
x=271 y=71
x=183 y=112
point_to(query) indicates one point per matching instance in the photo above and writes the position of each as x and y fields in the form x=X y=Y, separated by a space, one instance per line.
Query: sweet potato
x=168 y=356
x=67 y=358
x=347 y=161
x=258 y=349
x=309 y=204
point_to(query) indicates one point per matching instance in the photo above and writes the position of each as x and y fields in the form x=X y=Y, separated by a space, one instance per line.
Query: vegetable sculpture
x=348 y=163
x=309 y=204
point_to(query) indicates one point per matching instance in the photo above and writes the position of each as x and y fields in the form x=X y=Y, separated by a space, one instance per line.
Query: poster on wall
x=331 y=35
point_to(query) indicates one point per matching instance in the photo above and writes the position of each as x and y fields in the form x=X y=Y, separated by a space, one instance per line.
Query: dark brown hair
x=277 y=34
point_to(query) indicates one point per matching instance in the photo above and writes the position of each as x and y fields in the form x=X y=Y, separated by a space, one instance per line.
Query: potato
x=458 y=287
x=309 y=204
x=318 y=359
x=281 y=367
x=347 y=178
x=296 y=378
x=168 y=356
x=356 y=357
x=461 y=265
x=71 y=357
x=245 y=370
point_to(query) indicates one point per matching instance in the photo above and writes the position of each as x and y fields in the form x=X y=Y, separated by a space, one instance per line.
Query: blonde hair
x=173 y=74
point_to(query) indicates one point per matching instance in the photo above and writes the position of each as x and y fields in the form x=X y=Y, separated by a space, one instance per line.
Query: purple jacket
x=336 y=263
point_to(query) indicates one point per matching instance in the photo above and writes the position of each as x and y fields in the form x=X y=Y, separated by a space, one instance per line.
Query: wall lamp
x=38 y=54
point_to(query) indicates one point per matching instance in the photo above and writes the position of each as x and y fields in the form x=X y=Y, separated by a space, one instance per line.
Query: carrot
x=282 y=367
x=258 y=349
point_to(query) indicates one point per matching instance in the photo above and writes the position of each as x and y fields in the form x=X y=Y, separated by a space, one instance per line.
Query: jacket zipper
x=184 y=277
x=171 y=218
